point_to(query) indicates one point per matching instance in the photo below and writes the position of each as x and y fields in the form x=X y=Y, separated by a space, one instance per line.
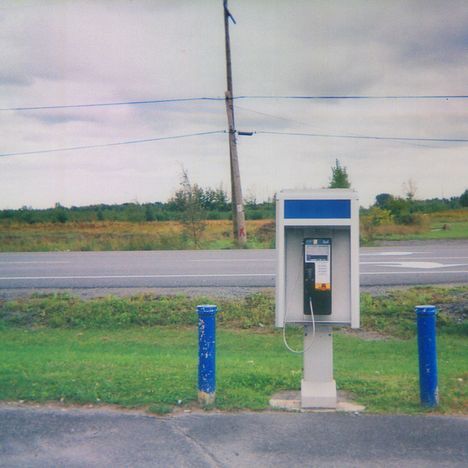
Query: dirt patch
x=456 y=310
x=266 y=232
x=366 y=335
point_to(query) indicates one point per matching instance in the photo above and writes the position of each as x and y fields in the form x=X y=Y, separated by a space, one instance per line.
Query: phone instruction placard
x=317 y=252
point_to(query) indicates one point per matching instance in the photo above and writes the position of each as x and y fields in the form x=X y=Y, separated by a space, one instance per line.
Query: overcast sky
x=81 y=52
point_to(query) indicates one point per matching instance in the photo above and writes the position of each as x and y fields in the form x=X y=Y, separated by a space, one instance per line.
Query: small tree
x=193 y=216
x=464 y=198
x=60 y=214
x=382 y=200
x=339 y=178
x=410 y=188
x=221 y=199
x=375 y=217
x=149 y=215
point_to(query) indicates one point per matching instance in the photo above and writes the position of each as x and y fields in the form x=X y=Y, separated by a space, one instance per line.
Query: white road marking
x=385 y=254
x=233 y=260
x=422 y=265
x=269 y=260
x=38 y=262
x=213 y=275
x=447 y=258
x=202 y=260
x=427 y=272
x=430 y=257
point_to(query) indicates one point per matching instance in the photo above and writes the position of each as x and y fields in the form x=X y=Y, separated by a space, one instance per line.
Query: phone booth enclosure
x=317 y=238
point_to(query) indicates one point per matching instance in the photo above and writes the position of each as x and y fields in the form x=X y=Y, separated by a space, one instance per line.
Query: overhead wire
x=242 y=97
x=103 y=145
x=326 y=135
x=356 y=97
x=259 y=132
x=365 y=137
x=316 y=134
x=110 y=104
x=305 y=124
x=274 y=116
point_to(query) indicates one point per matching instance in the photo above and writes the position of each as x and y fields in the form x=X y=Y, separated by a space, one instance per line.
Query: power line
x=365 y=137
x=259 y=132
x=110 y=104
x=274 y=116
x=286 y=119
x=408 y=141
x=351 y=97
x=243 y=97
x=120 y=143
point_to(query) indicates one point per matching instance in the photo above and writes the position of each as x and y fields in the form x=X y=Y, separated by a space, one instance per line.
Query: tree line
x=214 y=203
x=193 y=204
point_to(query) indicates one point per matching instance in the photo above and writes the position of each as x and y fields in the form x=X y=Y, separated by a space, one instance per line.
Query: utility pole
x=238 y=215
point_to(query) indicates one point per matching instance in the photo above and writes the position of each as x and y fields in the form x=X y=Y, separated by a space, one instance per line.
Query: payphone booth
x=317 y=281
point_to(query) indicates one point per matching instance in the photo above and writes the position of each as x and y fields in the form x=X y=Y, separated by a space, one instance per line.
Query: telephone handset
x=317 y=276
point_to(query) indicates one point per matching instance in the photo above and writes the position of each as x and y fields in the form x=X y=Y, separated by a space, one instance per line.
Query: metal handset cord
x=285 y=341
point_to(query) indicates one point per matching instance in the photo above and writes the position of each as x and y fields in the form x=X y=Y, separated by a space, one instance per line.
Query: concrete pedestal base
x=318 y=388
x=290 y=400
x=318 y=394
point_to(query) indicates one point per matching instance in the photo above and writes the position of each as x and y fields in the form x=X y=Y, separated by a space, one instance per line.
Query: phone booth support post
x=317 y=280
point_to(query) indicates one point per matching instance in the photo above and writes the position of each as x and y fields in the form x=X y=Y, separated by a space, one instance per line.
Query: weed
x=65 y=311
x=159 y=409
x=393 y=313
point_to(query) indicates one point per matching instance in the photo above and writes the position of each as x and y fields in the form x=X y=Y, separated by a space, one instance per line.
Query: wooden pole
x=238 y=215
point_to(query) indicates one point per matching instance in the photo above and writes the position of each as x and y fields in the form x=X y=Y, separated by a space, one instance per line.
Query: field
x=142 y=352
x=456 y=230
x=171 y=235
x=106 y=235
x=451 y=224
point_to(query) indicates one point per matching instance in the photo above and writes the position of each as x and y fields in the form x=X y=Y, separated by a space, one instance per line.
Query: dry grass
x=400 y=229
x=169 y=235
x=106 y=235
x=450 y=216
x=450 y=224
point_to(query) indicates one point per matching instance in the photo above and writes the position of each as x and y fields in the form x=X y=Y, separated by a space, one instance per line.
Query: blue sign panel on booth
x=317 y=209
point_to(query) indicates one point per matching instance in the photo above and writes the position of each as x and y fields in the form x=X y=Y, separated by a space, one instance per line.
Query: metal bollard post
x=206 y=354
x=428 y=380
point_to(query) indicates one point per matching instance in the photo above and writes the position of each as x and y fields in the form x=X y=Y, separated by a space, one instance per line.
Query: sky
x=59 y=53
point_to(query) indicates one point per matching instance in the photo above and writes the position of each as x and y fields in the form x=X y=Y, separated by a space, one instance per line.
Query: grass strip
x=157 y=368
x=390 y=314
x=142 y=351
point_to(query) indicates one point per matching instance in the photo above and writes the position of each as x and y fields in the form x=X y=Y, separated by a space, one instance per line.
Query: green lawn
x=141 y=351
x=140 y=366
x=156 y=368
x=383 y=375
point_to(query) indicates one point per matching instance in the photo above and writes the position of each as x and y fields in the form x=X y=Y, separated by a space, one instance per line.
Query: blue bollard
x=207 y=353
x=428 y=380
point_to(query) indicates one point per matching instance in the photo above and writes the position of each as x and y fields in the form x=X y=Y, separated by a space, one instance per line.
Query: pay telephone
x=317 y=276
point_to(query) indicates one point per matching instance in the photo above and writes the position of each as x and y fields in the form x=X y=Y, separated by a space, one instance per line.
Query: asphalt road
x=439 y=262
x=46 y=437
